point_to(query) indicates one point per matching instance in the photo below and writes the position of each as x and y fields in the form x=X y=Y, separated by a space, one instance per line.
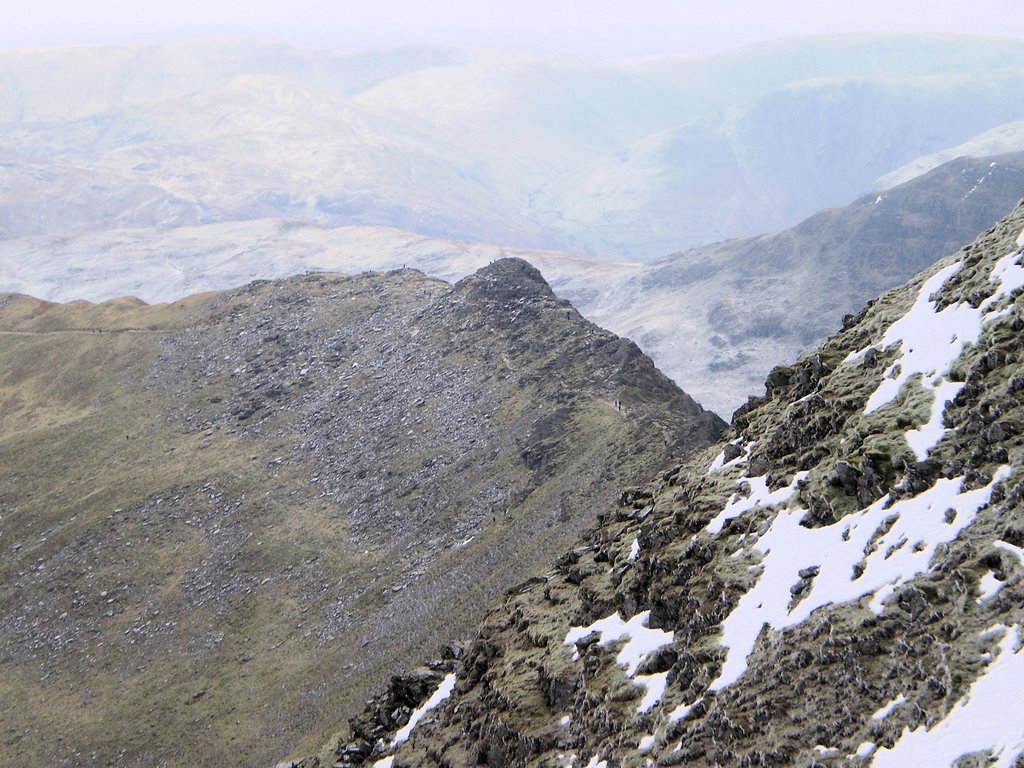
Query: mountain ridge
x=749 y=288
x=840 y=585
x=219 y=514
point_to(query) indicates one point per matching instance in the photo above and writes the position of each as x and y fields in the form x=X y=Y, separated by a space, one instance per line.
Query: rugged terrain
x=840 y=583
x=225 y=520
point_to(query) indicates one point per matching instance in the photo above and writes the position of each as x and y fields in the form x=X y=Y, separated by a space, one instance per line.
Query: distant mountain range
x=604 y=160
x=716 y=319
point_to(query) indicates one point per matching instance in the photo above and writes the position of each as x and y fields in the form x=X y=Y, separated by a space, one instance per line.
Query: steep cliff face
x=840 y=583
x=225 y=519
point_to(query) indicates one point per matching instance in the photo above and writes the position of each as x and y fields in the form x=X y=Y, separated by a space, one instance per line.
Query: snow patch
x=387 y=762
x=682 y=711
x=976 y=185
x=885 y=711
x=717 y=463
x=988 y=719
x=865 y=749
x=989 y=586
x=642 y=641
x=886 y=559
x=595 y=763
x=759 y=496
x=655 y=688
x=931 y=340
x=444 y=690
x=720 y=463
x=1009 y=274
x=646 y=743
x=634 y=550
x=1012 y=549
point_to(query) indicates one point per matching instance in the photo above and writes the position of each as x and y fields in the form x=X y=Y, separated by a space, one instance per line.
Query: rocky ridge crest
x=840 y=583
x=225 y=519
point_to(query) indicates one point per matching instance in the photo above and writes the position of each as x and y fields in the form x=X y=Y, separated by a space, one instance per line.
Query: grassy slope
x=176 y=586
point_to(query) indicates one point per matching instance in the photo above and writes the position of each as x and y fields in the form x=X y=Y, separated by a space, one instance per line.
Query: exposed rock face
x=226 y=519
x=841 y=583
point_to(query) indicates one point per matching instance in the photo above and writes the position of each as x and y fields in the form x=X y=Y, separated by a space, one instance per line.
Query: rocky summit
x=226 y=520
x=839 y=583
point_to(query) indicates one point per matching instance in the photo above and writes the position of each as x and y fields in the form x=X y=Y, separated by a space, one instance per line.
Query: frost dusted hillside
x=839 y=584
x=594 y=158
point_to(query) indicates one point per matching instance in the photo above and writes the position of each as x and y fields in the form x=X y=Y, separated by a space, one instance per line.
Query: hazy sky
x=600 y=28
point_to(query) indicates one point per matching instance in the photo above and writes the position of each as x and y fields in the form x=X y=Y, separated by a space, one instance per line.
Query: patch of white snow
x=865 y=749
x=641 y=642
x=885 y=711
x=931 y=340
x=634 y=550
x=682 y=711
x=642 y=639
x=655 y=688
x=788 y=547
x=720 y=463
x=759 y=496
x=988 y=719
x=717 y=463
x=444 y=690
x=989 y=586
x=1012 y=549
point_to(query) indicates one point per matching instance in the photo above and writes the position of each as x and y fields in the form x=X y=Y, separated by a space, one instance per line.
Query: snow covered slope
x=1002 y=139
x=839 y=584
